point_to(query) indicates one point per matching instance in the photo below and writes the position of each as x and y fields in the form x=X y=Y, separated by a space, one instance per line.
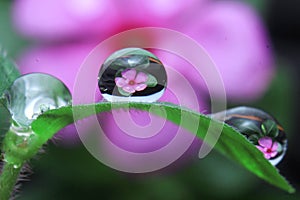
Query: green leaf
x=122 y=92
x=8 y=73
x=230 y=143
x=8 y=70
x=5 y=120
x=151 y=81
x=270 y=128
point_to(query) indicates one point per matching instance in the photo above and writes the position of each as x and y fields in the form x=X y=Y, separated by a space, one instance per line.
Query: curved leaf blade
x=231 y=143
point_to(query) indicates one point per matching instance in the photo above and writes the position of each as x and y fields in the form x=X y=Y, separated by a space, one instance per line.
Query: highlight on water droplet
x=260 y=128
x=16 y=166
x=132 y=74
x=32 y=94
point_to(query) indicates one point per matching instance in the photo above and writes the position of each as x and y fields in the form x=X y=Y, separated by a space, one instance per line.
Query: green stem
x=8 y=179
x=18 y=148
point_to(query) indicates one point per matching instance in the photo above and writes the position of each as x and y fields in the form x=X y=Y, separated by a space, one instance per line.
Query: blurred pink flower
x=69 y=19
x=235 y=38
x=231 y=32
x=267 y=147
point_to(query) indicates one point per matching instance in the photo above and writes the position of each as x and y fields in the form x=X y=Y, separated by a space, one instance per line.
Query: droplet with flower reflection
x=32 y=94
x=259 y=128
x=132 y=74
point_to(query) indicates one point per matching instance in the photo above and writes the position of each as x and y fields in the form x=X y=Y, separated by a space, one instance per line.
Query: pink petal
x=275 y=146
x=273 y=154
x=265 y=142
x=120 y=82
x=65 y=19
x=164 y=13
x=261 y=148
x=267 y=155
x=61 y=61
x=141 y=77
x=140 y=87
x=129 y=74
x=129 y=89
x=168 y=8
x=235 y=38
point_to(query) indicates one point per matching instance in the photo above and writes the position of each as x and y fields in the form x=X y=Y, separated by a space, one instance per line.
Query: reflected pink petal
x=275 y=146
x=268 y=147
x=120 y=82
x=141 y=77
x=129 y=89
x=140 y=87
x=262 y=149
x=273 y=154
x=129 y=74
x=265 y=142
x=267 y=156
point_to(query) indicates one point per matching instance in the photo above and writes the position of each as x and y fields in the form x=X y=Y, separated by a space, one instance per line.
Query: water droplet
x=132 y=74
x=259 y=128
x=16 y=166
x=32 y=94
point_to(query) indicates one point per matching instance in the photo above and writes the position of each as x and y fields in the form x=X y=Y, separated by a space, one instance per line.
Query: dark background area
x=283 y=23
x=72 y=173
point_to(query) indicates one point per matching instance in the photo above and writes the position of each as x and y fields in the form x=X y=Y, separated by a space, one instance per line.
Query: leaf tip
x=291 y=190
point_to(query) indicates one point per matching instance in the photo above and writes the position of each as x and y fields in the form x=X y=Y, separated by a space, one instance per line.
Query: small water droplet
x=16 y=166
x=44 y=108
x=132 y=74
x=32 y=94
x=259 y=128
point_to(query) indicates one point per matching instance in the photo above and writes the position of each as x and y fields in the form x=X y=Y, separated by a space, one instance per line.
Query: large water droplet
x=132 y=74
x=32 y=94
x=259 y=128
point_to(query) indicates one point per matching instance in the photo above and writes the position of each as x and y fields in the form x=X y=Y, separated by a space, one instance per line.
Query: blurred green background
x=72 y=173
